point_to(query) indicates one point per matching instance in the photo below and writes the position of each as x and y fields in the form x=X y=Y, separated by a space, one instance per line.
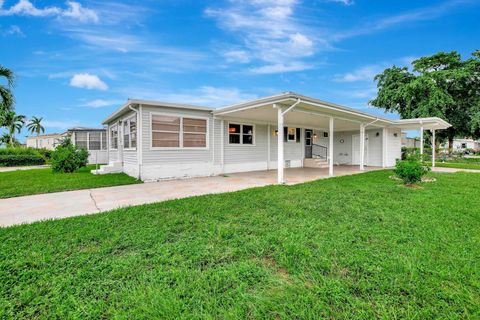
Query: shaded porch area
x=294 y=175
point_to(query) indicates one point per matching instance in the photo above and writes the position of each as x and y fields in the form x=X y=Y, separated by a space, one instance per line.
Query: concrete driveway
x=28 y=209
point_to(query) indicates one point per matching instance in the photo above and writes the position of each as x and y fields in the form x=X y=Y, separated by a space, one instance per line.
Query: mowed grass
x=473 y=166
x=354 y=247
x=35 y=181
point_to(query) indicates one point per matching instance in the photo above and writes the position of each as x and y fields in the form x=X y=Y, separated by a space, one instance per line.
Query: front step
x=112 y=167
x=315 y=163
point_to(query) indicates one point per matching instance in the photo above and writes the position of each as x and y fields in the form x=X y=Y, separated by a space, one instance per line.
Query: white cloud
x=88 y=81
x=280 y=68
x=237 y=56
x=208 y=96
x=73 y=11
x=77 y=12
x=267 y=32
x=344 y=2
x=13 y=30
x=100 y=103
x=366 y=73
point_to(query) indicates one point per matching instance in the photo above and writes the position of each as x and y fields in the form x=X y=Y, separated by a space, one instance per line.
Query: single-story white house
x=158 y=140
x=465 y=143
x=45 y=141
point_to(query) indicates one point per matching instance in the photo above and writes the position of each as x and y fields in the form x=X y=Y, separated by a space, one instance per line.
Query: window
x=178 y=132
x=104 y=141
x=114 y=137
x=240 y=134
x=291 y=134
x=130 y=133
x=464 y=145
x=94 y=140
x=194 y=133
x=81 y=140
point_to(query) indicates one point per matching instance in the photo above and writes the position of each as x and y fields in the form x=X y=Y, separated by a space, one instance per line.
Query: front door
x=356 y=150
x=308 y=143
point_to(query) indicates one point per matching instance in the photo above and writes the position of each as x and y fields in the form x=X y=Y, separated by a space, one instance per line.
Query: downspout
x=139 y=141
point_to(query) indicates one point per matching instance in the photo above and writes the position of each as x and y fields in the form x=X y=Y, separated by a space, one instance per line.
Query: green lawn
x=474 y=166
x=25 y=182
x=354 y=247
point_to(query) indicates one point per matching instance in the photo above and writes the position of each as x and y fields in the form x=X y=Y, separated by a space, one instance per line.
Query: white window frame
x=294 y=134
x=127 y=120
x=241 y=134
x=180 y=133
x=110 y=137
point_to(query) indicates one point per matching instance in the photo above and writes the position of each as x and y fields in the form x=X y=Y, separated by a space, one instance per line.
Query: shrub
x=19 y=151
x=411 y=170
x=14 y=160
x=45 y=153
x=67 y=158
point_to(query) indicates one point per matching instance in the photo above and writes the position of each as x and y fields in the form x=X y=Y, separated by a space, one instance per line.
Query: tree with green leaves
x=14 y=123
x=442 y=85
x=35 y=126
x=6 y=96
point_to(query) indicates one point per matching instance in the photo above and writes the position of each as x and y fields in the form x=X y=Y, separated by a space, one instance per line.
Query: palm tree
x=13 y=122
x=6 y=96
x=35 y=125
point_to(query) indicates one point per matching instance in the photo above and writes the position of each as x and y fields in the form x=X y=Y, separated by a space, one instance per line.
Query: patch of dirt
x=269 y=262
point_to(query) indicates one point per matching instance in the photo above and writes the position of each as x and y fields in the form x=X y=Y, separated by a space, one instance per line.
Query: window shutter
x=298 y=134
x=285 y=134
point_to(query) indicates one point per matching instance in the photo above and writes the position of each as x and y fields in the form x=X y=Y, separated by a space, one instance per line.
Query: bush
x=19 y=151
x=14 y=160
x=411 y=170
x=67 y=158
x=45 y=153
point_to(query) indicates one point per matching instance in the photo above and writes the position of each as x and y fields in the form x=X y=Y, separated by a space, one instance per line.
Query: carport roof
x=324 y=108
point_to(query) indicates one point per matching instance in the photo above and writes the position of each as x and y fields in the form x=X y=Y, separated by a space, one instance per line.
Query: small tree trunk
x=450 y=145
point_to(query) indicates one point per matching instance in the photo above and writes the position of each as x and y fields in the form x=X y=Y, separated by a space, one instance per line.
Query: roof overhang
x=425 y=123
x=125 y=108
x=315 y=113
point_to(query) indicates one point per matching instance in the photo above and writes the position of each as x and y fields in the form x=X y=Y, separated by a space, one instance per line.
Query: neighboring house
x=158 y=140
x=45 y=141
x=92 y=139
x=462 y=144
x=410 y=142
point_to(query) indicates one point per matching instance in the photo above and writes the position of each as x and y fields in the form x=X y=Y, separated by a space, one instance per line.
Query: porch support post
x=330 y=148
x=384 y=147
x=433 y=148
x=268 y=146
x=362 y=146
x=280 y=156
x=222 y=145
x=421 y=141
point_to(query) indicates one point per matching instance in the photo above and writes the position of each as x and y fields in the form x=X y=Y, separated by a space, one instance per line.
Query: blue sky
x=77 y=61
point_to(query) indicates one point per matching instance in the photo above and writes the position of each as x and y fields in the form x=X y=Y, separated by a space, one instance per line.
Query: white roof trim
x=125 y=107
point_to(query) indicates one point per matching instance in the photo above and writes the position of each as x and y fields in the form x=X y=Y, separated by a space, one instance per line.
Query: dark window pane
x=234 y=138
x=247 y=129
x=247 y=139
x=233 y=128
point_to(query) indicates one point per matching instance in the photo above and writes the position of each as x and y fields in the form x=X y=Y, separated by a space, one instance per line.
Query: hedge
x=19 y=151
x=13 y=160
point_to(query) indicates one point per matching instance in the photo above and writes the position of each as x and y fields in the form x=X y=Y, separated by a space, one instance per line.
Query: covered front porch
x=300 y=128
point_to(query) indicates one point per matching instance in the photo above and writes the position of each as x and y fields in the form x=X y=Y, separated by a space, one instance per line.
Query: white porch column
x=433 y=148
x=330 y=148
x=268 y=146
x=384 y=147
x=222 y=145
x=280 y=156
x=362 y=146
x=421 y=141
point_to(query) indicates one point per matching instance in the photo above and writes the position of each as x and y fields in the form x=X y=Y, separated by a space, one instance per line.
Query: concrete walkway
x=453 y=170
x=28 y=209
x=8 y=169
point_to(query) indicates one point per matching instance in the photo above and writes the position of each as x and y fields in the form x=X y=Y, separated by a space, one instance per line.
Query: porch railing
x=319 y=151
